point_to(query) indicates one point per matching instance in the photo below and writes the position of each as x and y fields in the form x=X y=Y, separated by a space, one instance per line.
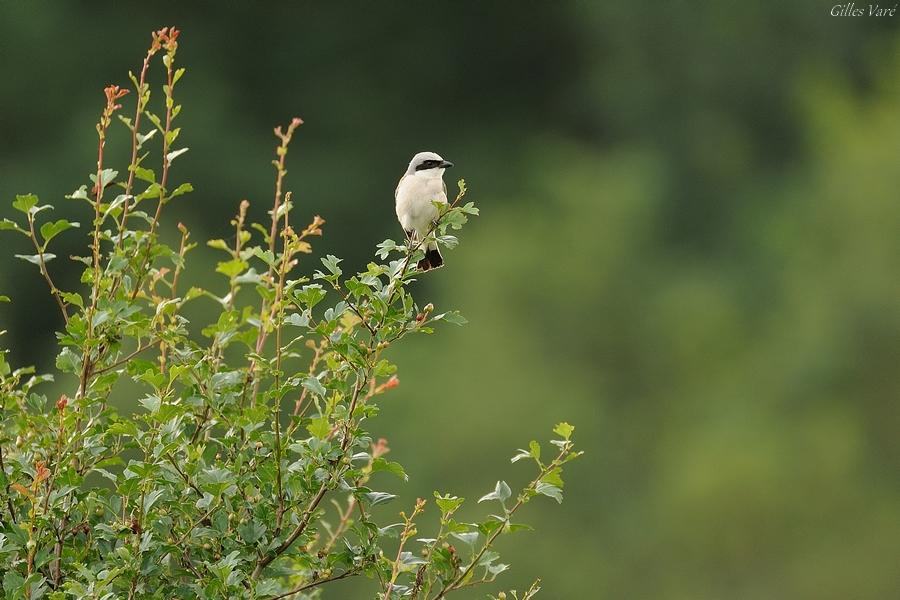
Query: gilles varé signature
x=870 y=10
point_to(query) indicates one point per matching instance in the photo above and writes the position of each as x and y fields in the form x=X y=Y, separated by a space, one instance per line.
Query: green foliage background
x=688 y=248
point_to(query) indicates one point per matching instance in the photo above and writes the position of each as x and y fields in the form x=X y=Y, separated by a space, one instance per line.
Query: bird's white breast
x=415 y=195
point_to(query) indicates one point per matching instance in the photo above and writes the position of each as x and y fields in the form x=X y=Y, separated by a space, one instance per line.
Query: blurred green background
x=689 y=248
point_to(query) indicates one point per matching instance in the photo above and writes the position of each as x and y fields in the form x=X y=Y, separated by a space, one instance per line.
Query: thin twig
x=316 y=583
x=184 y=475
x=262 y=563
x=411 y=250
x=125 y=359
x=523 y=497
x=276 y=401
x=138 y=111
x=164 y=179
x=43 y=267
x=281 y=151
x=12 y=512
x=409 y=530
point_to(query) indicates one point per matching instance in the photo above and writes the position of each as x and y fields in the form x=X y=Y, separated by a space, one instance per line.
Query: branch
x=164 y=179
x=124 y=360
x=522 y=499
x=316 y=583
x=139 y=110
x=263 y=562
x=43 y=267
x=411 y=249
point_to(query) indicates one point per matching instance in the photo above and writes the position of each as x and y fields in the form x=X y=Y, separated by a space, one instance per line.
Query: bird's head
x=428 y=164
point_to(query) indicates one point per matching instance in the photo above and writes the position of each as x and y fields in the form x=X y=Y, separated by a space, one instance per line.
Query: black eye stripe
x=427 y=164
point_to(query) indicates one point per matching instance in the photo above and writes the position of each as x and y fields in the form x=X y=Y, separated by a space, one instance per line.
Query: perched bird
x=419 y=188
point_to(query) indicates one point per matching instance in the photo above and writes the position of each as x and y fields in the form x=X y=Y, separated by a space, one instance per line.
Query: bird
x=418 y=189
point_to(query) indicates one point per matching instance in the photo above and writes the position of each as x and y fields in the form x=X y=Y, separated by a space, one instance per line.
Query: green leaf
x=173 y=134
x=447 y=503
x=175 y=154
x=72 y=298
x=107 y=176
x=467 y=538
x=67 y=361
x=155 y=120
x=376 y=498
x=501 y=492
x=521 y=454
x=331 y=263
x=469 y=208
x=268 y=587
x=319 y=427
x=184 y=188
x=151 y=498
x=25 y=202
x=252 y=531
x=79 y=194
x=391 y=531
x=451 y=317
x=7 y=225
x=267 y=256
x=385 y=248
x=14 y=585
x=213 y=476
x=143 y=137
x=51 y=229
x=314 y=385
x=550 y=490
x=151 y=402
x=145 y=174
x=231 y=268
x=564 y=430
x=35 y=259
x=448 y=241
x=380 y=464
x=219 y=244
x=535 y=449
x=297 y=319
x=310 y=295
x=553 y=477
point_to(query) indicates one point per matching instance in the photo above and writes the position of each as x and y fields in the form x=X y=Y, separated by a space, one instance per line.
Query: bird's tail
x=432 y=260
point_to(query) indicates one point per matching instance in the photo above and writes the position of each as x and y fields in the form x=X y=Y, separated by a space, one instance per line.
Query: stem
x=43 y=267
x=316 y=583
x=312 y=367
x=408 y=531
x=377 y=451
x=9 y=505
x=353 y=306
x=170 y=103
x=125 y=359
x=522 y=499
x=314 y=503
x=410 y=250
x=138 y=112
x=276 y=404
x=184 y=475
x=281 y=151
x=182 y=249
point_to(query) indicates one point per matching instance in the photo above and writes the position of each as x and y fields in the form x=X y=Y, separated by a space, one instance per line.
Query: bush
x=216 y=486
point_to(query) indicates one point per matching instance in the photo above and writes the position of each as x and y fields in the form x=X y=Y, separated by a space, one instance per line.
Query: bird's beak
x=445 y=164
